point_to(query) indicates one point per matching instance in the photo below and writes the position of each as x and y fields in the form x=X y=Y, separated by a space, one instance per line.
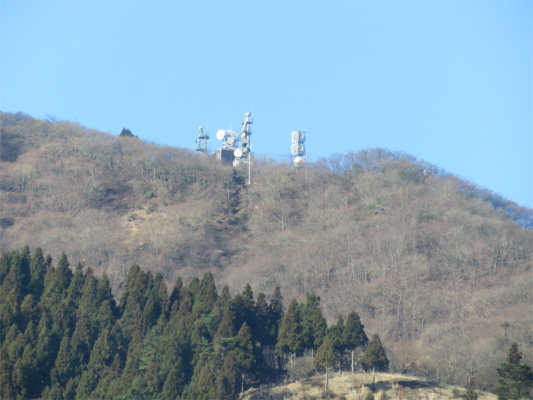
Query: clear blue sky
x=449 y=82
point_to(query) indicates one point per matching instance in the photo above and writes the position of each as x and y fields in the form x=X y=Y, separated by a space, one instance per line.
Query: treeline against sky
x=63 y=336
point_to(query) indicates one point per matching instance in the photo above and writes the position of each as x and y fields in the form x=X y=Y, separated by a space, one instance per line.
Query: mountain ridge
x=432 y=263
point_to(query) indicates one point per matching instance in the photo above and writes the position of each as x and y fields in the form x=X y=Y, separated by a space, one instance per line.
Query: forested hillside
x=63 y=336
x=439 y=268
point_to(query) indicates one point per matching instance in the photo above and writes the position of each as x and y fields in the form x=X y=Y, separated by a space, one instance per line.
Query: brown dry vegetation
x=424 y=257
x=356 y=387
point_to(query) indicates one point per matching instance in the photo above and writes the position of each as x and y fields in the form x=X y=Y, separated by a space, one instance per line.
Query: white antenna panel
x=237 y=152
x=299 y=162
x=221 y=134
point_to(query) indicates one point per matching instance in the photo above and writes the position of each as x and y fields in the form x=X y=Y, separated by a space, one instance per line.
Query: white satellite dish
x=230 y=140
x=221 y=134
x=299 y=162
x=237 y=152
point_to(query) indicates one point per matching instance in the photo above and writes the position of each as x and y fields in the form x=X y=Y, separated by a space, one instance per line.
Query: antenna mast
x=201 y=136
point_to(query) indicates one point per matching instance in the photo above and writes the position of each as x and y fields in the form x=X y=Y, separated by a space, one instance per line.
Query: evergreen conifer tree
x=244 y=349
x=172 y=387
x=290 y=337
x=354 y=334
x=57 y=284
x=265 y=328
x=313 y=323
x=228 y=379
x=38 y=272
x=151 y=376
x=64 y=361
x=176 y=295
x=516 y=379
x=327 y=357
x=374 y=356
x=226 y=327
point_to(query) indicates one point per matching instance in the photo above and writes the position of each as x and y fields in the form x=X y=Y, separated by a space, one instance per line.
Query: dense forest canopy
x=63 y=335
x=438 y=267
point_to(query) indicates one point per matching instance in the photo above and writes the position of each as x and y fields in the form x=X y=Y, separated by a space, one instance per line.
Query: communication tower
x=230 y=141
x=298 y=155
x=243 y=154
x=201 y=136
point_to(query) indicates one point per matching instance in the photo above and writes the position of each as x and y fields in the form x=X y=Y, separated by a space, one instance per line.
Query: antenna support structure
x=201 y=136
x=298 y=155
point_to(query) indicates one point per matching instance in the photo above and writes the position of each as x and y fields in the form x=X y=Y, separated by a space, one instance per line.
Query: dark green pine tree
x=70 y=389
x=206 y=296
x=64 y=363
x=87 y=385
x=19 y=379
x=130 y=288
x=515 y=379
x=249 y=310
x=176 y=352
x=89 y=302
x=220 y=305
x=244 y=350
x=313 y=323
x=5 y=265
x=276 y=307
x=105 y=318
x=7 y=391
x=276 y=316
x=57 y=284
x=226 y=328
x=37 y=272
x=327 y=357
x=205 y=387
x=134 y=296
x=25 y=258
x=162 y=298
x=194 y=287
x=238 y=309
x=374 y=356
x=82 y=342
x=290 y=337
x=151 y=376
x=175 y=296
x=10 y=301
x=74 y=291
x=265 y=328
x=149 y=313
x=106 y=294
x=29 y=363
x=354 y=335
x=228 y=380
x=171 y=387
x=335 y=335
x=30 y=334
x=45 y=357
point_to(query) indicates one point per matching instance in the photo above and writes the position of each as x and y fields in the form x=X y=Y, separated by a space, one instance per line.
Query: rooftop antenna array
x=201 y=136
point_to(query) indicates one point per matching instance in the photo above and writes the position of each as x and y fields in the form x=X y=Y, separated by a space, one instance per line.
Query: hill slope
x=434 y=264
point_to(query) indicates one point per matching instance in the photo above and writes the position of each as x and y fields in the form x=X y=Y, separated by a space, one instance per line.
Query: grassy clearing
x=349 y=387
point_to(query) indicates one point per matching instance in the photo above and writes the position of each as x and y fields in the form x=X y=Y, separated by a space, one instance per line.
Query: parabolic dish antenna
x=230 y=140
x=299 y=162
x=237 y=152
x=221 y=134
